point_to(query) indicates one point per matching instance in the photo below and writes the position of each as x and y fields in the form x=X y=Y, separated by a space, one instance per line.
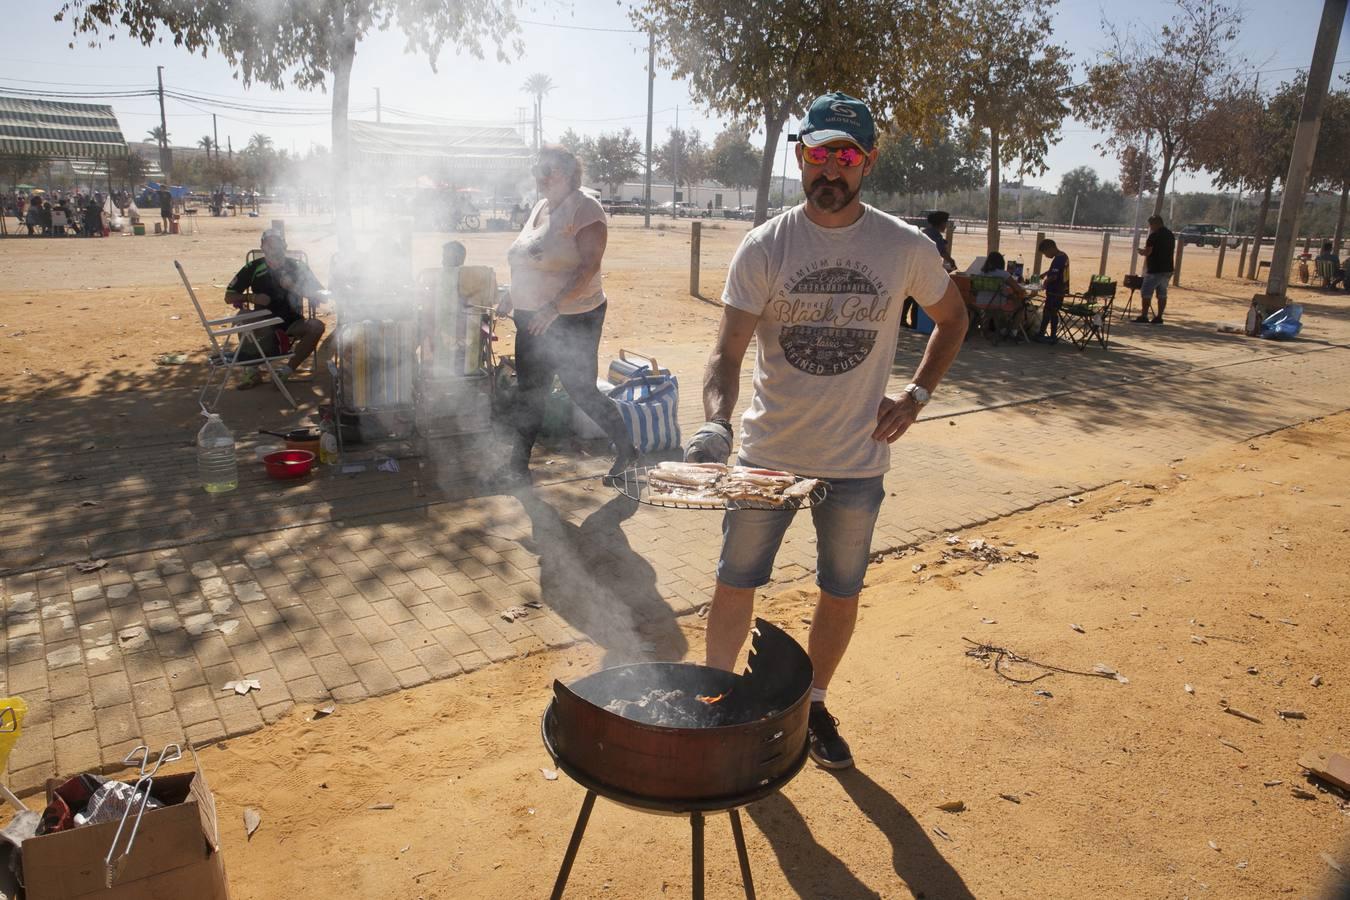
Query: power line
x=580 y=27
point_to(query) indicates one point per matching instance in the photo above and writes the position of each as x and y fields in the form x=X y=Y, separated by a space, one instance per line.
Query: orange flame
x=709 y=700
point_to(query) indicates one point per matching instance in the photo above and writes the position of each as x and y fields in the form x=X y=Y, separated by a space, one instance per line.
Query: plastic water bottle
x=215 y=456
x=328 y=442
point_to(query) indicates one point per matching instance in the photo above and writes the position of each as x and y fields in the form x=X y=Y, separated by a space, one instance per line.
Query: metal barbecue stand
x=633 y=484
x=696 y=812
x=753 y=757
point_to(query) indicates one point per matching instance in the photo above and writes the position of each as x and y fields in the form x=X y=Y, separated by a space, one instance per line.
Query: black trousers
x=567 y=349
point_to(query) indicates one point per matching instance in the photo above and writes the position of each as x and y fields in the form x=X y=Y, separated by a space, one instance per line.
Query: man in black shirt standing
x=1158 y=251
x=280 y=285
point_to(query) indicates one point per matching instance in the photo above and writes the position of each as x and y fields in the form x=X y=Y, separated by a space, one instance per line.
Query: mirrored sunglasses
x=846 y=157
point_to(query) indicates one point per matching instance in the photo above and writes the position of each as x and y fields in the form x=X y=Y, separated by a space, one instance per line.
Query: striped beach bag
x=650 y=406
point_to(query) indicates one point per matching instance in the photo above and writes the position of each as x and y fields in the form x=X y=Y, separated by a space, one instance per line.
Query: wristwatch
x=921 y=395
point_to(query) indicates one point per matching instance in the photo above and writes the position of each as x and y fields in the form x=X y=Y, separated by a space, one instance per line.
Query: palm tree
x=206 y=144
x=258 y=142
x=157 y=135
x=538 y=84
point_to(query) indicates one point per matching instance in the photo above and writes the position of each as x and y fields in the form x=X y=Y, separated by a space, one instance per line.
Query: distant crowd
x=63 y=214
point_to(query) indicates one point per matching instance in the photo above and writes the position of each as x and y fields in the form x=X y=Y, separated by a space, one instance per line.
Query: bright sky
x=599 y=74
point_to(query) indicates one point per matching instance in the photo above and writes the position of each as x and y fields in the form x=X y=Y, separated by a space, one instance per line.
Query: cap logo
x=843 y=109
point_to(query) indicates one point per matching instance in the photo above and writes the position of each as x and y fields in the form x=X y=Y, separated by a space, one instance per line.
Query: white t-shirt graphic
x=829 y=302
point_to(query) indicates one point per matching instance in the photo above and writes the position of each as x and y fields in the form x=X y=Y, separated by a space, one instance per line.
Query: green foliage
x=733 y=160
x=1016 y=94
x=19 y=167
x=614 y=158
x=953 y=161
x=1097 y=203
x=683 y=156
x=759 y=61
x=157 y=135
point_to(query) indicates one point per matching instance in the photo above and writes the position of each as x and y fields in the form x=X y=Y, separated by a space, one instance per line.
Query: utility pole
x=675 y=167
x=230 y=143
x=651 y=83
x=1073 y=217
x=377 y=105
x=163 y=127
x=215 y=137
x=1305 y=146
x=1139 y=195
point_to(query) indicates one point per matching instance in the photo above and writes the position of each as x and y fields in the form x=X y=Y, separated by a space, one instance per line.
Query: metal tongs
x=141 y=792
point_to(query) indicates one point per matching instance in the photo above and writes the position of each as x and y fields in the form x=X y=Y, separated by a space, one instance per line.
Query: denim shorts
x=843 y=521
x=1155 y=281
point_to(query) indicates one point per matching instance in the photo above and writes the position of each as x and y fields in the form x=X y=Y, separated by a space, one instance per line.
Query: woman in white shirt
x=558 y=305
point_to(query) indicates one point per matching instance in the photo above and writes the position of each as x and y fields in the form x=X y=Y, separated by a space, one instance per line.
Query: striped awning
x=467 y=148
x=59 y=130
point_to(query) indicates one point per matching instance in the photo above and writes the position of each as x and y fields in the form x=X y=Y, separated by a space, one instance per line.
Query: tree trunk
x=1260 y=229
x=1163 y=177
x=992 y=227
x=344 y=54
x=773 y=127
x=1340 y=219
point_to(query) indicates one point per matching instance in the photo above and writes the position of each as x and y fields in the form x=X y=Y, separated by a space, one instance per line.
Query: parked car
x=743 y=213
x=1206 y=235
x=622 y=207
x=692 y=210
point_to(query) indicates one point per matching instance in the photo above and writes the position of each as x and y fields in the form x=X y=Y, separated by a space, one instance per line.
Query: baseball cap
x=273 y=234
x=838 y=117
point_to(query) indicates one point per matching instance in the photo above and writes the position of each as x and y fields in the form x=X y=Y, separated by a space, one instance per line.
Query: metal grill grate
x=633 y=483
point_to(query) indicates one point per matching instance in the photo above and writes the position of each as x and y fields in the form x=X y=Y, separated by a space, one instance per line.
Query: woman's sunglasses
x=846 y=157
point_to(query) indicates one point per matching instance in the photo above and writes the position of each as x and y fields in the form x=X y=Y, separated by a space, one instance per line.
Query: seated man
x=1328 y=254
x=280 y=285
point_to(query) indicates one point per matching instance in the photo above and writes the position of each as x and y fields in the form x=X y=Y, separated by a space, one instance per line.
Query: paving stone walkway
x=402 y=581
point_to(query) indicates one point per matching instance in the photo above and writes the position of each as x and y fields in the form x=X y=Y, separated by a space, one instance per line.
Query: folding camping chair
x=1326 y=272
x=228 y=338
x=313 y=310
x=1086 y=317
x=996 y=310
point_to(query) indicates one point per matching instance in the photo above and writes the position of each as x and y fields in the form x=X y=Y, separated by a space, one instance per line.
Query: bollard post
x=1307 y=244
x=951 y=231
x=695 y=239
x=1223 y=248
x=1106 y=248
x=1242 y=258
x=279 y=226
x=1252 y=268
x=1176 y=266
x=1036 y=254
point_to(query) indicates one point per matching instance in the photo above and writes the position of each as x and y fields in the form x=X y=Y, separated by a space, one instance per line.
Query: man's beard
x=829 y=195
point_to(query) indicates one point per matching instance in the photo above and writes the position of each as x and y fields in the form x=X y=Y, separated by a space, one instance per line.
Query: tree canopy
x=309 y=44
x=1016 y=96
x=1162 y=86
x=1084 y=200
x=760 y=61
x=683 y=158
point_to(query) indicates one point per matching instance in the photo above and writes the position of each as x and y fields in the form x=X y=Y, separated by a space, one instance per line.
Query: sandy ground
x=1225 y=572
x=1122 y=787
x=82 y=316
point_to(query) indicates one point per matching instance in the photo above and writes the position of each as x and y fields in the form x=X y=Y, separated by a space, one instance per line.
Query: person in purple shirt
x=1056 y=282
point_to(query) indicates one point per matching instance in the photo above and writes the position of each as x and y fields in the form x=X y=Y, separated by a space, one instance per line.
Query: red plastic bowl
x=289 y=463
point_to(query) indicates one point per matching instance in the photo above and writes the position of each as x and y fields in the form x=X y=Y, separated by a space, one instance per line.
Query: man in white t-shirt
x=821 y=288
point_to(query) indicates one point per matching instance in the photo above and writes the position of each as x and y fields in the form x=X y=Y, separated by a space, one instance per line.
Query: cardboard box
x=176 y=855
